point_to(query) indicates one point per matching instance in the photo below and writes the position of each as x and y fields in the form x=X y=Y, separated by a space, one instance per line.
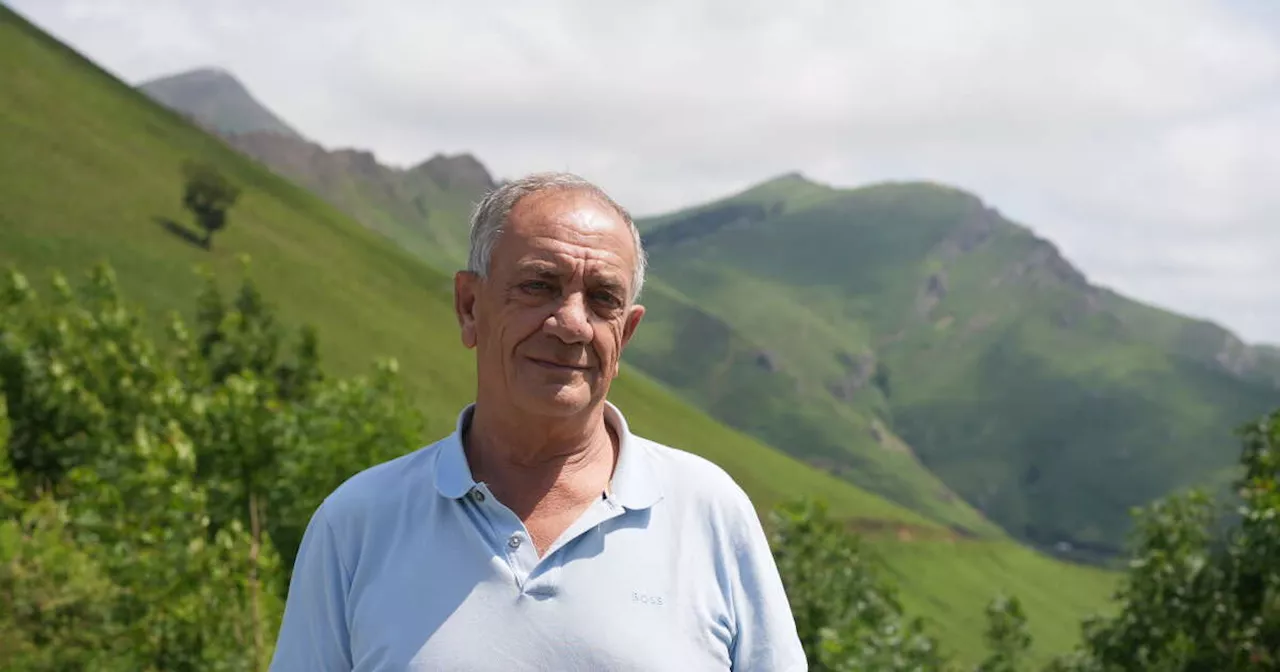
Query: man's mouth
x=557 y=366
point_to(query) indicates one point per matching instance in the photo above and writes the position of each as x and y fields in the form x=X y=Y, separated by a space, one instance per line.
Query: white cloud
x=1141 y=136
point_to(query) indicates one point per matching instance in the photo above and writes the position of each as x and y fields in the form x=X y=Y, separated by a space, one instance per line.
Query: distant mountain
x=915 y=310
x=423 y=208
x=217 y=100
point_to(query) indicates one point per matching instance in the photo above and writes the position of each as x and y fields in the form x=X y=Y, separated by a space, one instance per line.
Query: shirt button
x=477 y=495
x=514 y=541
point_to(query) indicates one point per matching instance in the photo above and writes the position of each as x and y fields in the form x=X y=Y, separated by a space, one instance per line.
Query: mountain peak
x=207 y=74
x=217 y=100
x=458 y=171
x=791 y=179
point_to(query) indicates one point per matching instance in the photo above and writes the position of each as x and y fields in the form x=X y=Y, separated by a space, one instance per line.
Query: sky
x=1141 y=137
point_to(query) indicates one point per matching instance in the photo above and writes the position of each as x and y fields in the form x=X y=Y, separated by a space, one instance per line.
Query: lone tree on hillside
x=208 y=195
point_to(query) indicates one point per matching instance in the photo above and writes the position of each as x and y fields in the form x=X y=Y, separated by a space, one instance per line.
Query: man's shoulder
x=383 y=483
x=693 y=478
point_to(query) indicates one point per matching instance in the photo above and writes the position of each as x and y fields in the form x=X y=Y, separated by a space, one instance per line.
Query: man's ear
x=466 y=288
x=634 y=315
x=630 y=323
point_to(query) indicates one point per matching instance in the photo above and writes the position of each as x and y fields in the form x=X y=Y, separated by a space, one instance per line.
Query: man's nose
x=570 y=322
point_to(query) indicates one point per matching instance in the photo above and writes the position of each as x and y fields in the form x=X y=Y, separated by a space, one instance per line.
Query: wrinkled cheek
x=613 y=356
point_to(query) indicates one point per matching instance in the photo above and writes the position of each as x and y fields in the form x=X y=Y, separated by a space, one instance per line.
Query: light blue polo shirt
x=412 y=565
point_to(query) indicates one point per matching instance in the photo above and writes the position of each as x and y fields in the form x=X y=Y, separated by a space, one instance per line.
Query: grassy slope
x=753 y=386
x=88 y=163
x=764 y=358
x=1199 y=340
x=1013 y=382
x=939 y=576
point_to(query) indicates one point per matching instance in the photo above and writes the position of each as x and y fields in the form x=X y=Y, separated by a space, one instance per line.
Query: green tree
x=1192 y=600
x=847 y=616
x=143 y=486
x=208 y=194
x=1007 y=637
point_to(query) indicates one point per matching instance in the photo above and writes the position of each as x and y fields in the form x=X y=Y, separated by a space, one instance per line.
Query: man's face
x=550 y=321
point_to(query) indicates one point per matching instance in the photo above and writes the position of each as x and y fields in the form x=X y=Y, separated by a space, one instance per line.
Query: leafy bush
x=1193 y=600
x=143 y=488
x=848 y=617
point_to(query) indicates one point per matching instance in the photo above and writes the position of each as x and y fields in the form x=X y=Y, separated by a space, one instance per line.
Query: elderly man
x=542 y=534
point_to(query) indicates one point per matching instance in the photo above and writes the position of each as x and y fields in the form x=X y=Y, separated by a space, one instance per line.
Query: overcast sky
x=1143 y=137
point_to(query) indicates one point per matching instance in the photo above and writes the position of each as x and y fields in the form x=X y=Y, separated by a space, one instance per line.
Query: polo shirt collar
x=634 y=486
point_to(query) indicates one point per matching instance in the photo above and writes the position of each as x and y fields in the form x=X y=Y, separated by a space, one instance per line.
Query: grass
x=944 y=579
x=89 y=167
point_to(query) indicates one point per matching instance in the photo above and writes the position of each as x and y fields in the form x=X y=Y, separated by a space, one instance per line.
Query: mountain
x=217 y=100
x=423 y=208
x=91 y=170
x=914 y=309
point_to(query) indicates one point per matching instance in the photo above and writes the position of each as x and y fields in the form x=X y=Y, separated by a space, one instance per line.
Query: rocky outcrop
x=932 y=291
x=766 y=361
x=975 y=228
x=858 y=371
x=460 y=172
x=1044 y=265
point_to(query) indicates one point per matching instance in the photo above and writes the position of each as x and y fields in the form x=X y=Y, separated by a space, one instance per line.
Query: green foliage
x=208 y=194
x=143 y=487
x=1193 y=600
x=847 y=616
x=1007 y=637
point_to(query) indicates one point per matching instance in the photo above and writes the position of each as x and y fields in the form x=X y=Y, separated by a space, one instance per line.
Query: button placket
x=521 y=555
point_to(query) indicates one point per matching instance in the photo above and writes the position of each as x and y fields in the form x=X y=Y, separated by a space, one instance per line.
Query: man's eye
x=607 y=299
x=536 y=286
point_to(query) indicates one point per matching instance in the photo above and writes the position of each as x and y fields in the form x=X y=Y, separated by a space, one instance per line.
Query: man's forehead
x=580 y=211
x=569 y=222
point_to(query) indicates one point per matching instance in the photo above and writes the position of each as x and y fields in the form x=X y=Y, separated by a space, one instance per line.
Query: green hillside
x=752 y=386
x=1046 y=403
x=90 y=166
x=1199 y=340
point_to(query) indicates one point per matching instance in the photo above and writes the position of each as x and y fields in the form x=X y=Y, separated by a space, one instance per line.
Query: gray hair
x=491 y=215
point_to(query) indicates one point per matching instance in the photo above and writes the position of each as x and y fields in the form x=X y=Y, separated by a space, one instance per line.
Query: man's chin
x=558 y=400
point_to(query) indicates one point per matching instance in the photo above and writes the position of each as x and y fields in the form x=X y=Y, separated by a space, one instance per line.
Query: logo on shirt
x=641 y=598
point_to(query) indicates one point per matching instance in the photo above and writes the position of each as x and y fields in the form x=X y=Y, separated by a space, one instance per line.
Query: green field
x=90 y=167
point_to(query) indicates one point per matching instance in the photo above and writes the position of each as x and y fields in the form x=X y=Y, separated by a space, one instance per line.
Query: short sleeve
x=765 y=637
x=313 y=633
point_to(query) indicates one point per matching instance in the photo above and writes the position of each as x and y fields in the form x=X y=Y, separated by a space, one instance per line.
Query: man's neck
x=533 y=462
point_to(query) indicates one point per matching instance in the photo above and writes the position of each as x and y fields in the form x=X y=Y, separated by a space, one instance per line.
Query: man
x=542 y=534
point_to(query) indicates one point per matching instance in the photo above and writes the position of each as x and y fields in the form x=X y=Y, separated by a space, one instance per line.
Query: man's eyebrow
x=540 y=268
x=609 y=284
